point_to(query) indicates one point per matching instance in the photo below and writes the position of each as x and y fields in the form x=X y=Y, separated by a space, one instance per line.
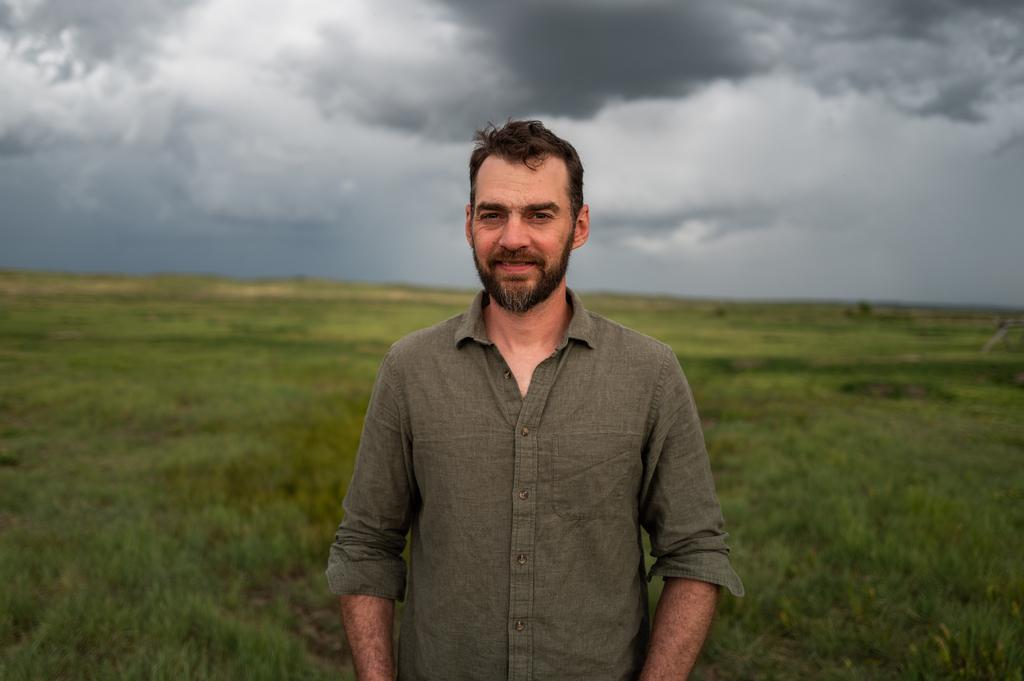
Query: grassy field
x=174 y=451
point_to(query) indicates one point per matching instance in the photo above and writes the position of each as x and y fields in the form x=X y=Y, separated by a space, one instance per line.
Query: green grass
x=174 y=451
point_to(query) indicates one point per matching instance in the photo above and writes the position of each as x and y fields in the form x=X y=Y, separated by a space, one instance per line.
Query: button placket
x=524 y=519
x=524 y=526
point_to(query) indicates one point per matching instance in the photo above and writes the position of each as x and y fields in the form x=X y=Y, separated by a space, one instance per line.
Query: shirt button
x=520 y=625
x=525 y=431
x=521 y=559
x=524 y=494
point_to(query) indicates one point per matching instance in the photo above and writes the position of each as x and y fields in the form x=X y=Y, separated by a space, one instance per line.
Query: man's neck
x=541 y=327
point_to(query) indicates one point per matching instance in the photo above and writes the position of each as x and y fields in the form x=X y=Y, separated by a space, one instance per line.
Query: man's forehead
x=545 y=179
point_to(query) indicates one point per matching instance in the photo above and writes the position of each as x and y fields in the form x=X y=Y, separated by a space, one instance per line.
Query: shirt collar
x=581 y=326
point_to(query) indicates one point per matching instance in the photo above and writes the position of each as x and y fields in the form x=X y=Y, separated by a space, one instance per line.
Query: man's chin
x=517 y=287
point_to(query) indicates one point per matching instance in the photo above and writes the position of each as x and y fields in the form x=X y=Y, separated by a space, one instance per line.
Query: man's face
x=521 y=230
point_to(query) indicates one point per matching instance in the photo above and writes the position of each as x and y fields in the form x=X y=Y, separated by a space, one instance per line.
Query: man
x=524 y=444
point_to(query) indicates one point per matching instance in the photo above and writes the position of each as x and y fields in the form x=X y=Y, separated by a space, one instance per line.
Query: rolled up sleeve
x=679 y=508
x=366 y=556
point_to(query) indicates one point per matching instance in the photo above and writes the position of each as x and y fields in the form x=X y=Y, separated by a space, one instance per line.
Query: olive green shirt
x=526 y=558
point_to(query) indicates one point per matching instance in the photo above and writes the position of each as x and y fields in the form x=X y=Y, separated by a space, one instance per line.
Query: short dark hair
x=529 y=143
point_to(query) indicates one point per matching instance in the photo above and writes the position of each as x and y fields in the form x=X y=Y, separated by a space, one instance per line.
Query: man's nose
x=515 y=234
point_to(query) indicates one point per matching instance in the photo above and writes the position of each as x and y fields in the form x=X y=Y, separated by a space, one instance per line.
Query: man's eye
x=488 y=216
x=542 y=216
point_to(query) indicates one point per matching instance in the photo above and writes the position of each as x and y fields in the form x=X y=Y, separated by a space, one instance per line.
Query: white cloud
x=770 y=188
x=690 y=236
x=769 y=145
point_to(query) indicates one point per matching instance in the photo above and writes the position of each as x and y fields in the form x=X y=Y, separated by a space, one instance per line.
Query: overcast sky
x=754 y=148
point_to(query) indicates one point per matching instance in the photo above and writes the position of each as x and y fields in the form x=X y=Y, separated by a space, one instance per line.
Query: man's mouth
x=515 y=265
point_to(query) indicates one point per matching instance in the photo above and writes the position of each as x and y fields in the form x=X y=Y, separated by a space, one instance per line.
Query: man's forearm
x=369 y=626
x=681 y=624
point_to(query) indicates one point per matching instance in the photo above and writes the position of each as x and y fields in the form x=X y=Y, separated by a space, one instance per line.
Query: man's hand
x=369 y=625
x=681 y=624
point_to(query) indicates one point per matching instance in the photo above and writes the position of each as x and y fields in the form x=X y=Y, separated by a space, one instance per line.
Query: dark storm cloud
x=572 y=57
x=944 y=58
x=948 y=58
x=553 y=59
x=917 y=18
x=959 y=100
x=869 y=20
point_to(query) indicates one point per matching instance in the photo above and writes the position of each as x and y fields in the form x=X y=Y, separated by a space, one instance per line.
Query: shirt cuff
x=713 y=568
x=382 y=578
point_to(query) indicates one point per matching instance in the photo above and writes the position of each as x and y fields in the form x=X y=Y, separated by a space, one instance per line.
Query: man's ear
x=582 y=231
x=469 y=224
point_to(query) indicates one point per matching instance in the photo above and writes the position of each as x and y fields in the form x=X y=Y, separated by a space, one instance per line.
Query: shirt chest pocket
x=593 y=475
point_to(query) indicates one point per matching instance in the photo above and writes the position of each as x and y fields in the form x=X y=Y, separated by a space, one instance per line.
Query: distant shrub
x=861 y=309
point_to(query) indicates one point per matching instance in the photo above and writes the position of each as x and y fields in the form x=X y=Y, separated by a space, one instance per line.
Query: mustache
x=520 y=256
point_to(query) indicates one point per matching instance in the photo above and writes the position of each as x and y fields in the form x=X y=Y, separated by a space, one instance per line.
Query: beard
x=516 y=293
